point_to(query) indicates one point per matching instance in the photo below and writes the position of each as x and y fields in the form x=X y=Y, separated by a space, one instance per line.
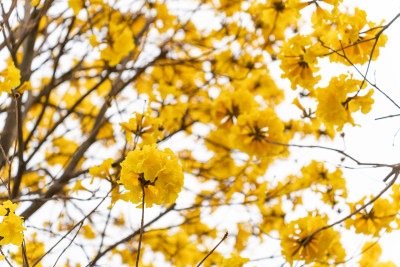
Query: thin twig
x=129 y=237
x=70 y=242
x=388 y=116
x=5 y=258
x=70 y=230
x=331 y=149
x=141 y=229
x=24 y=255
x=209 y=253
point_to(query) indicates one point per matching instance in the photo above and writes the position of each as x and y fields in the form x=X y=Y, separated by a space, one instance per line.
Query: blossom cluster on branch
x=175 y=106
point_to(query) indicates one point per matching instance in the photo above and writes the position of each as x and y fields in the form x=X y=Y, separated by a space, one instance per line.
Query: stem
x=5 y=258
x=209 y=253
x=141 y=229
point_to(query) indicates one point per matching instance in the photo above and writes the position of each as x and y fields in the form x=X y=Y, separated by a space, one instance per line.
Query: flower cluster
x=143 y=125
x=300 y=241
x=259 y=132
x=381 y=217
x=11 y=227
x=336 y=104
x=9 y=78
x=213 y=93
x=156 y=172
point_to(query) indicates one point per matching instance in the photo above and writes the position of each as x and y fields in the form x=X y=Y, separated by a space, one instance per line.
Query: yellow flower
x=323 y=246
x=172 y=117
x=242 y=237
x=273 y=218
x=157 y=171
x=61 y=150
x=88 y=232
x=78 y=186
x=276 y=15
x=335 y=104
x=102 y=171
x=120 y=47
x=9 y=78
x=33 y=249
x=76 y=5
x=261 y=83
x=9 y=206
x=332 y=2
x=11 y=230
x=229 y=105
x=345 y=33
x=371 y=252
x=234 y=261
x=363 y=103
x=299 y=58
x=178 y=248
x=144 y=126
x=35 y=2
x=380 y=216
x=256 y=132
x=330 y=184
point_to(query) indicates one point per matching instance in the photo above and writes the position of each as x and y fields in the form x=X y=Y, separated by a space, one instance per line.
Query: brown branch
x=59 y=184
x=21 y=165
x=24 y=255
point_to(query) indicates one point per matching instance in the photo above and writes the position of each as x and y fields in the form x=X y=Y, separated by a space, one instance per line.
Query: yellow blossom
x=9 y=78
x=345 y=33
x=78 y=187
x=257 y=131
x=234 y=261
x=144 y=126
x=242 y=237
x=371 y=252
x=76 y=5
x=298 y=244
x=120 y=47
x=11 y=227
x=33 y=249
x=8 y=205
x=88 y=232
x=102 y=171
x=336 y=103
x=157 y=171
x=373 y=221
x=229 y=105
x=299 y=59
